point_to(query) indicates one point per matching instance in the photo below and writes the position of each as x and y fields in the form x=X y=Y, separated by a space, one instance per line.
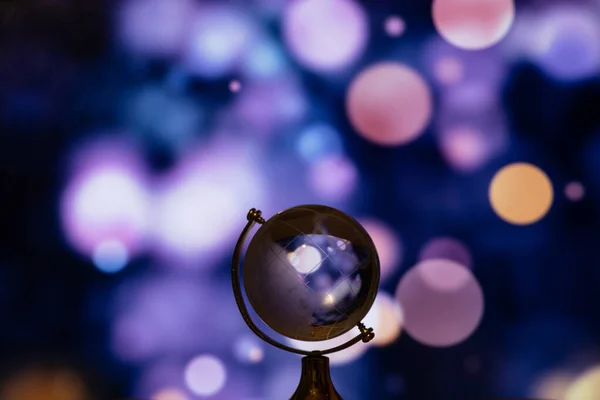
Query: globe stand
x=315 y=380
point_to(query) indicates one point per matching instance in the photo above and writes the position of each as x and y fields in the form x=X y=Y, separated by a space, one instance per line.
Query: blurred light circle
x=394 y=26
x=170 y=394
x=248 y=349
x=163 y=116
x=471 y=98
x=267 y=106
x=473 y=24
x=449 y=70
x=305 y=259
x=464 y=147
x=389 y=104
x=235 y=86
x=448 y=249
x=107 y=201
x=155 y=27
x=566 y=42
x=585 y=387
x=333 y=178
x=436 y=312
x=339 y=358
x=44 y=384
x=318 y=141
x=110 y=256
x=205 y=375
x=218 y=40
x=325 y=35
x=389 y=320
x=163 y=315
x=197 y=205
x=264 y=59
x=281 y=382
x=388 y=244
x=574 y=191
x=552 y=385
x=444 y=275
x=521 y=194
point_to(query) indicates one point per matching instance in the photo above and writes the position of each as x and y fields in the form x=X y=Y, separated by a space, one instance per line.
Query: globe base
x=315 y=381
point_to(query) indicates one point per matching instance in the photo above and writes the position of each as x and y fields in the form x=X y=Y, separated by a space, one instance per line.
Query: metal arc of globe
x=311 y=273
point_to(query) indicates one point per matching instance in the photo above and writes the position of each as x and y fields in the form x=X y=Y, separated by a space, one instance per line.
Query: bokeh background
x=136 y=134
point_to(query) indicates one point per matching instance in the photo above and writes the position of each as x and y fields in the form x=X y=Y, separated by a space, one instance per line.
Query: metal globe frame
x=254 y=217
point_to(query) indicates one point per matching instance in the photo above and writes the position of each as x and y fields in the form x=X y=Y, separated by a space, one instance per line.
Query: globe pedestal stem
x=315 y=381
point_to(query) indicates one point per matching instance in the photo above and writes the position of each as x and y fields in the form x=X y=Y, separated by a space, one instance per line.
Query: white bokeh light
x=386 y=317
x=218 y=40
x=205 y=375
x=305 y=259
x=199 y=205
x=325 y=35
x=106 y=201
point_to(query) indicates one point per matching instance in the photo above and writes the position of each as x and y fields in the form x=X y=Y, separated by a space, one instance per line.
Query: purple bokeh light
x=446 y=248
x=566 y=42
x=442 y=302
x=574 y=191
x=155 y=27
x=270 y=105
x=164 y=315
x=333 y=178
x=325 y=35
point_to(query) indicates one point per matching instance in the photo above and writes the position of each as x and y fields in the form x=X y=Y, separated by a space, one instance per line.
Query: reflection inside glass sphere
x=311 y=273
x=329 y=267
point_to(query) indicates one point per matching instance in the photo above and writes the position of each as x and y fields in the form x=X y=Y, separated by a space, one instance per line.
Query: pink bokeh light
x=442 y=303
x=388 y=244
x=235 y=86
x=574 y=191
x=325 y=35
x=464 y=148
x=473 y=24
x=446 y=248
x=449 y=70
x=394 y=26
x=389 y=104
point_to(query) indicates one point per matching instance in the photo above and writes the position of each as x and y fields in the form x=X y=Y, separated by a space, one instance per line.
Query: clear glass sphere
x=311 y=273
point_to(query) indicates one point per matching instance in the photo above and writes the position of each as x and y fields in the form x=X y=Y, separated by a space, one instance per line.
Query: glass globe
x=311 y=273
